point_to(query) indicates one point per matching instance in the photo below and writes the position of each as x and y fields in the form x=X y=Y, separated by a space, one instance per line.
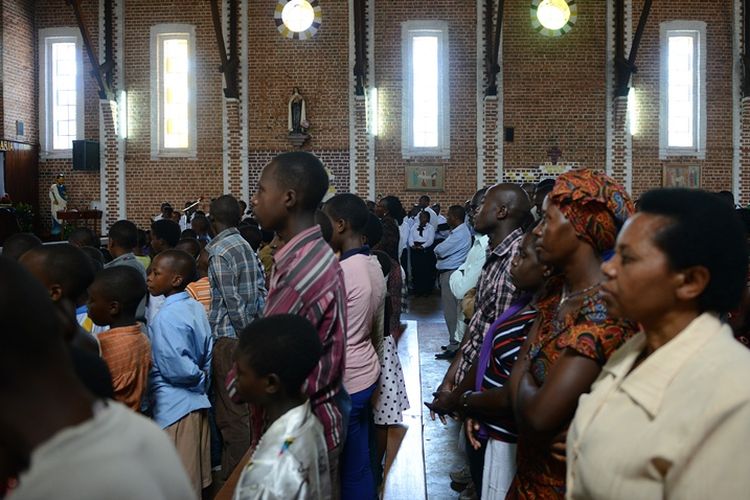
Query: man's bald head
x=503 y=202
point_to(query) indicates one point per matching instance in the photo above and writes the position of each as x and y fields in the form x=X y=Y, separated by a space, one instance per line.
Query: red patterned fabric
x=591 y=332
x=595 y=205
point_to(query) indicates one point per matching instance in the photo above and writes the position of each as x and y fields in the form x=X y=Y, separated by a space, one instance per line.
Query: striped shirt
x=238 y=289
x=201 y=291
x=307 y=280
x=507 y=340
x=127 y=352
x=495 y=292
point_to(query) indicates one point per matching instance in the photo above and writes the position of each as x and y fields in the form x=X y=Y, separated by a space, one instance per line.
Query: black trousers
x=423 y=270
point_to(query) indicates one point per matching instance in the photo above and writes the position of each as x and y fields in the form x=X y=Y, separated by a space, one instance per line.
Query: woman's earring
x=547 y=273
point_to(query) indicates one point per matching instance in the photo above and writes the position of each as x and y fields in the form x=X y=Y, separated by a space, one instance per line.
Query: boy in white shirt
x=274 y=357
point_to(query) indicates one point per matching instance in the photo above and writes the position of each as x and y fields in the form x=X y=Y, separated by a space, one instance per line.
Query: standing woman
x=58 y=197
x=670 y=415
x=574 y=334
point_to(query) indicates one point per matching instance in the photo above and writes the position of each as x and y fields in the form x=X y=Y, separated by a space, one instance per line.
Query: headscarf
x=595 y=204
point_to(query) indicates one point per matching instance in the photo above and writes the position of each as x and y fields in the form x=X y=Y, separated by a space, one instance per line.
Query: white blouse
x=426 y=238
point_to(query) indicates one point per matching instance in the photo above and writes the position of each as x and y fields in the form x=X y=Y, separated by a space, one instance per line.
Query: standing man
x=502 y=216
x=450 y=254
x=58 y=197
x=238 y=293
x=424 y=205
x=308 y=281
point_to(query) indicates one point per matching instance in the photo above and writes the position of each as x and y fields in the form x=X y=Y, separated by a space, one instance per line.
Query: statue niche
x=297 y=123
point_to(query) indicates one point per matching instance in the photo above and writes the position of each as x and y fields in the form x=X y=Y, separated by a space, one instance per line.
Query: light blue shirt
x=181 y=348
x=451 y=253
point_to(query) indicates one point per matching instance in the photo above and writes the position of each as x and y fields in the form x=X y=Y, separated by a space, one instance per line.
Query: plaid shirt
x=238 y=289
x=495 y=292
x=307 y=280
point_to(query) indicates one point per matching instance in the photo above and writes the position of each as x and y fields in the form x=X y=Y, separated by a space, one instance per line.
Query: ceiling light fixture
x=298 y=15
x=553 y=17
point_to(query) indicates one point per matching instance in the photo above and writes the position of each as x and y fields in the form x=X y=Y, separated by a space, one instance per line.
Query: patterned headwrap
x=595 y=205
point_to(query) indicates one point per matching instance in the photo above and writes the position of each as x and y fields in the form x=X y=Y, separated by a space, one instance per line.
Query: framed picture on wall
x=682 y=176
x=425 y=178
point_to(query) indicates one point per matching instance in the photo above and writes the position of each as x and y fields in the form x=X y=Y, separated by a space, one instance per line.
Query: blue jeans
x=356 y=473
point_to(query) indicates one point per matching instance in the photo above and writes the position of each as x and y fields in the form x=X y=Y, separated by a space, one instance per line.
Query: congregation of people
x=595 y=349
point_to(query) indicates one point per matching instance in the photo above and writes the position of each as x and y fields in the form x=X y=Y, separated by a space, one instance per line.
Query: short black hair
x=457 y=211
x=252 y=235
x=744 y=215
x=348 y=207
x=201 y=221
x=181 y=262
x=188 y=233
x=124 y=234
x=326 y=228
x=189 y=245
x=546 y=184
x=18 y=244
x=704 y=231
x=226 y=210
x=84 y=237
x=167 y=230
x=373 y=229
x=424 y=197
x=304 y=173
x=394 y=207
x=95 y=256
x=122 y=284
x=68 y=266
x=284 y=344
x=31 y=335
x=391 y=235
x=142 y=238
x=727 y=196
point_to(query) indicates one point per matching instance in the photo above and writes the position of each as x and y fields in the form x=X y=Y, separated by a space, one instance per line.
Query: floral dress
x=592 y=333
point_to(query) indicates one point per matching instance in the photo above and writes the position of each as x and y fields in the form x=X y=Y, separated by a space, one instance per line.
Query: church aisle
x=441 y=454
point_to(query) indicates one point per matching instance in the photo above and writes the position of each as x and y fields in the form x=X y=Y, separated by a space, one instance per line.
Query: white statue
x=58 y=198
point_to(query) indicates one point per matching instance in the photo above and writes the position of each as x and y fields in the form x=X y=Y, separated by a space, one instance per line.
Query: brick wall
x=716 y=170
x=460 y=169
x=554 y=92
x=83 y=186
x=176 y=180
x=19 y=89
x=318 y=67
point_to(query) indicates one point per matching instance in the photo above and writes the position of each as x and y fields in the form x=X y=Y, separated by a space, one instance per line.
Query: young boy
x=123 y=238
x=200 y=289
x=181 y=352
x=307 y=280
x=365 y=298
x=61 y=441
x=164 y=236
x=66 y=272
x=274 y=358
x=114 y=297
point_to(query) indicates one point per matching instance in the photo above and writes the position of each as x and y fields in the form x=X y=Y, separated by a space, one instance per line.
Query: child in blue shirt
x=181 y=353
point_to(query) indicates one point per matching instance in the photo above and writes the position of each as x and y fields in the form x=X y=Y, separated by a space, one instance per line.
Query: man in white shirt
x=467 y=275
x=424 y=205
x=73 y=446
